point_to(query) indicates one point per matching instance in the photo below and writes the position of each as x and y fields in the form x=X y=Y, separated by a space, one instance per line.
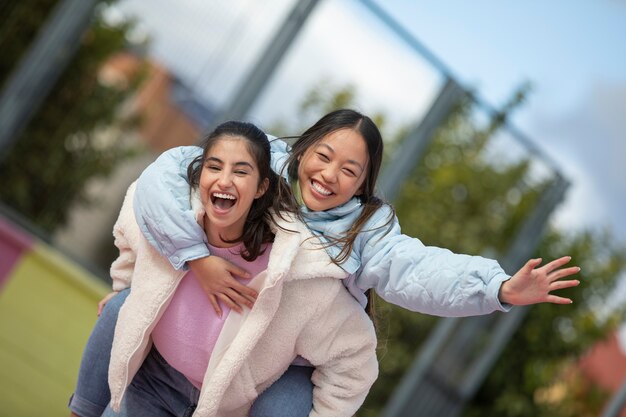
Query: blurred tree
x=469 y=196
x=537 y=374
x=470 y=200
x=20 y=22
x=64 y=145
x=322 y=98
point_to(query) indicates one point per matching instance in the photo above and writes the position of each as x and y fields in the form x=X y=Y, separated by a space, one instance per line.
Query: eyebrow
x=240 y=163
x=352 y=161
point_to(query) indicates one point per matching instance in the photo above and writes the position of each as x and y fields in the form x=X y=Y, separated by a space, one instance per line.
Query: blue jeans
x=157 y=390
x=92 y=388
x=290 y=396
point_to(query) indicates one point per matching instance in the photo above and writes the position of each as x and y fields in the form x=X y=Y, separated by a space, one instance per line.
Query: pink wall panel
x=13 y=243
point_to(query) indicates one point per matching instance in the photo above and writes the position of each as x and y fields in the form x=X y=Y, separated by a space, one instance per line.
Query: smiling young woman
x=229 y=183
x=333 y=171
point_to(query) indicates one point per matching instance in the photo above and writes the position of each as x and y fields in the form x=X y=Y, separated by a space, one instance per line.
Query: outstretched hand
x=215 y=276
x=532 y=284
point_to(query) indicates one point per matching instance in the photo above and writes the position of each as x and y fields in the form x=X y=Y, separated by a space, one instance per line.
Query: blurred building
x=168 y=114
x=605 y=363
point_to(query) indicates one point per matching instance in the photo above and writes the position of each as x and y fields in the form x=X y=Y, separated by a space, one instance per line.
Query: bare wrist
x=504 y=295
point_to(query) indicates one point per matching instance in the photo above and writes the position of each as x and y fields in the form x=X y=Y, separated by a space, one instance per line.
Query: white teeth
x=320 y=189
x=224 y=196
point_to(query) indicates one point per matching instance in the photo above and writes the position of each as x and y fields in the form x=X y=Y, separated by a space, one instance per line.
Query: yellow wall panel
x=47 y=310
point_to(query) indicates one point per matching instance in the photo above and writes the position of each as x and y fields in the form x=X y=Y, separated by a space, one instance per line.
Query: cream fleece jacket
x=302 y=309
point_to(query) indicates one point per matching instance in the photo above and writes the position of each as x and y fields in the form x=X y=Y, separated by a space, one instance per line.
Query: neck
x=215 y=235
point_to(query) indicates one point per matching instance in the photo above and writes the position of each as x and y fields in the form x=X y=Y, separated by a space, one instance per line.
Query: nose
x=329 y=174
x=225 y=179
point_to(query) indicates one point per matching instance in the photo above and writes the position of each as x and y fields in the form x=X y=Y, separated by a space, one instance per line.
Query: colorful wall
x=47 y=309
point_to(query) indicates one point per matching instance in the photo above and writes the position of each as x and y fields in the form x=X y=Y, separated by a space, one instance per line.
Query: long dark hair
x=257 y=228
x=331 y=122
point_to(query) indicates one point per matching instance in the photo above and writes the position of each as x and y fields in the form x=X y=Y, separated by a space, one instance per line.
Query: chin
x=318 y=207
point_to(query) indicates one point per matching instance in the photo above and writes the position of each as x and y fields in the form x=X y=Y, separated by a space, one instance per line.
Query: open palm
x=533 y=284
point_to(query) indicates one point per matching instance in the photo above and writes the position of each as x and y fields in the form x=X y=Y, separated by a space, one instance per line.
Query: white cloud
x=589 y=143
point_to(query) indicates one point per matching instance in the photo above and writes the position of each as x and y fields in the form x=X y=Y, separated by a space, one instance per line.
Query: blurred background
x=503 y=122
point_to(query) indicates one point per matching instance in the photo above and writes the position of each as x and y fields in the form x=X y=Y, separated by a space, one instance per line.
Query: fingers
x=231 y=292
x=559 y=285
x=533 y=263
x=244 y=291
x=557 y=263
x=215 y=304
x=235 y=270
x=238 y=298
x=231 y=299
x=234 y=300
x=238 y=292
x=105 y=300
x=565 y=272
x=555 y=299
x=228 y=302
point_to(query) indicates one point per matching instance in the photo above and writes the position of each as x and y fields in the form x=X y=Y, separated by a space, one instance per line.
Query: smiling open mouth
x=320 y=188
x=223 y=201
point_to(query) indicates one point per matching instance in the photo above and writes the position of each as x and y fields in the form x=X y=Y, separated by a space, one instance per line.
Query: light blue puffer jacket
x=401 y=269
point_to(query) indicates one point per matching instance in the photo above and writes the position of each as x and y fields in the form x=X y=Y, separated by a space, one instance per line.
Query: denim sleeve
x=427 y=279
x=280 y=151
x=163 y=210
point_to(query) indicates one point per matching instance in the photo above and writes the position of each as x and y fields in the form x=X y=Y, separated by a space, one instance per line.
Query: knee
x=290 y=396
x=290 y=407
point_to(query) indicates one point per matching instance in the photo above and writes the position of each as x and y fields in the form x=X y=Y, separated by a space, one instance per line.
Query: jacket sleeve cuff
x=493 y=290
x=180 y=257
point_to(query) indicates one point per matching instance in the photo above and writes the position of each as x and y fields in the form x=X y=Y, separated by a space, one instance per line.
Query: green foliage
x=20 y=22
x=536 y=374
x=466 y=198
x=322 y=98
x=460 y=200
x=65 y=144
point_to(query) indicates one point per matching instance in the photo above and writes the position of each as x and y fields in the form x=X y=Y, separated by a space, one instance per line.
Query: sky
x=573 y=52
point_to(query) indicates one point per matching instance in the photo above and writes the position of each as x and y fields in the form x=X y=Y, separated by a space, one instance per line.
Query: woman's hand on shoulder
x=216 y=277
x=533 y=283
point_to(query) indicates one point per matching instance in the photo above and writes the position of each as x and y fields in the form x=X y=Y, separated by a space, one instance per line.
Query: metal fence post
x=260 y=73
x=410 y=152
x=617 y=403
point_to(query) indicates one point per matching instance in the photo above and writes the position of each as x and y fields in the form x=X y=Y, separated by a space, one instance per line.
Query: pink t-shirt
x=186 y=333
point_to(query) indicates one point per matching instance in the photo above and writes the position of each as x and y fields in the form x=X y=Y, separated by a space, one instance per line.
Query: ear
x=263 y=186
